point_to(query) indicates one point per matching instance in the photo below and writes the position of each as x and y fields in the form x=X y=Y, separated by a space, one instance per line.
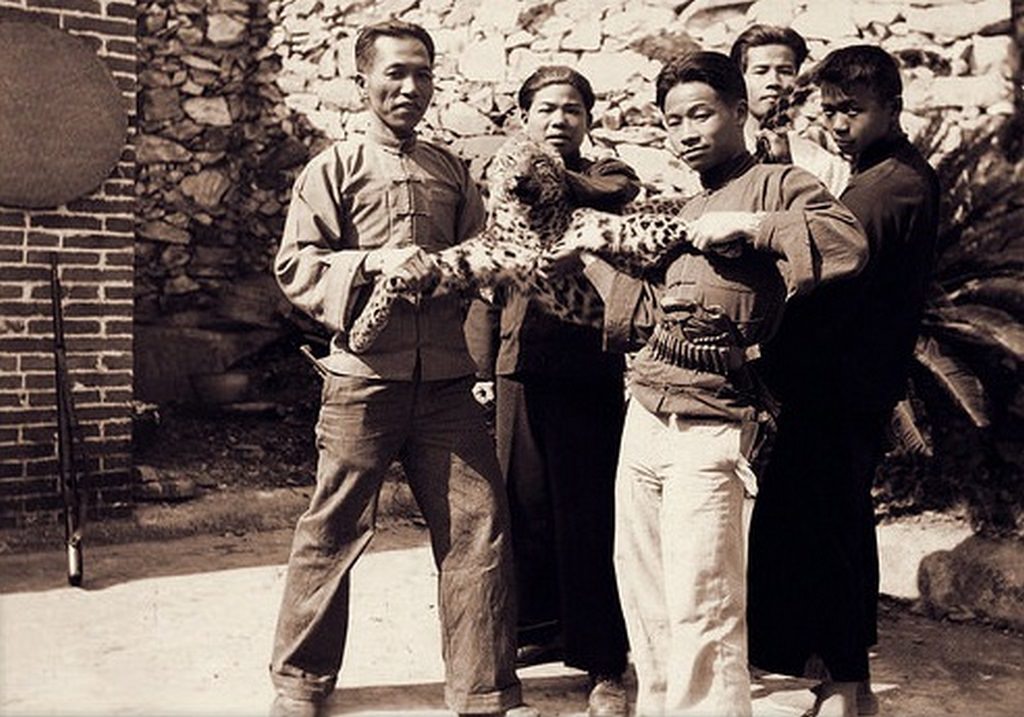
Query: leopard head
x=528 y=177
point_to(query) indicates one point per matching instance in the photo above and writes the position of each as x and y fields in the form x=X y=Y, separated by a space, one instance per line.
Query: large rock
x=904 y=542
x=341 y=93
x=552 y=30
x=866 y=12
x=610 y=71
x=499 y=16
x=206 y=188
x=450 y=40
x=773 y=12
x=631 y=21
x=161 y=104
x=161 y=231
x=826 y=21
x=460 y=13
x=208 y=110
x=464 y=120
x=479 y=146
x=980 y=91
x=703 y=15
x=200 y=63
x=479 y=151
x=302 y=8
x=290 y=81
x=521 y=62
x=150 y=149
x=305 y=102
x=961 y=21
x=519 y=38
x=235 y=7
x=327 y=67
x=655 y=166
x=484 y=60
x=223 y=29
x=645 y=136
x=585 y=36
x=664 y=46
x=980 y=577
x=992 y=55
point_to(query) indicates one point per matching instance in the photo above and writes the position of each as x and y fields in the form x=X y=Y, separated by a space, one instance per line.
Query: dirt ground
x=922 y=667
x=265 y=447
x=263 y=442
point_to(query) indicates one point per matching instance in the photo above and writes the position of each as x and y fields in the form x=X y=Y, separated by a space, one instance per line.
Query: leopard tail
x=375 y=315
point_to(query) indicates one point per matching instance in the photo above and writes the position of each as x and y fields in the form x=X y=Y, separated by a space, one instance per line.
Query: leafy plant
x=966 y=408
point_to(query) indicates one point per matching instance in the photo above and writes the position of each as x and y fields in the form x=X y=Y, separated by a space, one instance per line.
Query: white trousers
x=679 y=561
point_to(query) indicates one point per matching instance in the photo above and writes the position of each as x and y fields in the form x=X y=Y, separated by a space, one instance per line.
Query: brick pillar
x=94 y=238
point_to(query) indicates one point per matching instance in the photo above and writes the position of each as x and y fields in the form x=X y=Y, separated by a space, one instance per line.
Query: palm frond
x=903 y=427
x=980 y=325
x=1000 y=292
x=955 y=378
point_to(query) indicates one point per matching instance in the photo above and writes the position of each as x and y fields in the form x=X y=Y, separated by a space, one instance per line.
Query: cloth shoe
x=607 y=697
x=285 y=706
x=538 y=654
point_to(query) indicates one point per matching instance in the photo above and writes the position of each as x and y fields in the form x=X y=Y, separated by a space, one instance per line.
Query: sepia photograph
x=519 y=358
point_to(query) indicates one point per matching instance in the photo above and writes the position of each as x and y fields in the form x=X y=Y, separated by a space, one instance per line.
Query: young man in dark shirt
x=839 y=364
x=559 y=402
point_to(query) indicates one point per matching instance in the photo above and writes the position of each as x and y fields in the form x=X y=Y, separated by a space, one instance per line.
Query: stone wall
x=217 y=152
x=93 y=237
x=957 y=59
x=236 y=97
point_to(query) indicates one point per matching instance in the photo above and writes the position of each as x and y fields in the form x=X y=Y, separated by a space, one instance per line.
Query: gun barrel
x=65 y=435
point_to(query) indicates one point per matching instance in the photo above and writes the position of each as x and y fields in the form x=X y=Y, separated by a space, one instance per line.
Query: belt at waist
x=668 y=344
x=700 y=338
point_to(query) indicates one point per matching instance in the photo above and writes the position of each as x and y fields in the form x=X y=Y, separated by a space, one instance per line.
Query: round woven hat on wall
x=62 y=123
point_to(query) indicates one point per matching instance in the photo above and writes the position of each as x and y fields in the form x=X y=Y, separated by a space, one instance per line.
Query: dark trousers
x=558 y=444
x=813 y=555
x=438 y=432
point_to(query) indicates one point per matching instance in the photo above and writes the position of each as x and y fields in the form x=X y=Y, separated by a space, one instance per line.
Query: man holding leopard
x=363 y=210
x=757 y=234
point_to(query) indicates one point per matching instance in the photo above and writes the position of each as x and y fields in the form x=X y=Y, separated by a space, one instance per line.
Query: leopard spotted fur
x=531 y=216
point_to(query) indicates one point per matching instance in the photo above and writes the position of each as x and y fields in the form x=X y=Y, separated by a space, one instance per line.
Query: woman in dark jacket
x=560 y=405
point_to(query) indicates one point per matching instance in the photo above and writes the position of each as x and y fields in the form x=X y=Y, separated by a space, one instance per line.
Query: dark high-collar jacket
x=849 y=346
x=806 y=240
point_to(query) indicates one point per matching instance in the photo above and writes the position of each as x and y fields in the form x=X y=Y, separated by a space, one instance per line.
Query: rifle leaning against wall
x=67 y=428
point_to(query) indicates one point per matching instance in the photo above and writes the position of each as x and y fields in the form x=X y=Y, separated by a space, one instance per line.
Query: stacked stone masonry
x=94 y=239
x=237 y=95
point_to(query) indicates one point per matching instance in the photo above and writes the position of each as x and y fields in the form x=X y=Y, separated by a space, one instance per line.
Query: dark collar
x=880 y=150
x=575 y=162
x=721 y=174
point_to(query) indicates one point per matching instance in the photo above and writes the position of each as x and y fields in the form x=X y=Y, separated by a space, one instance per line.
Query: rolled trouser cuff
x=301 y=685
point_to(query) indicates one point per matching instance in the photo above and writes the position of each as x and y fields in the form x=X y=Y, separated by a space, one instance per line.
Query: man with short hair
x=362 y=210
x=770 y=58
x=759 y=234
x=839 y=364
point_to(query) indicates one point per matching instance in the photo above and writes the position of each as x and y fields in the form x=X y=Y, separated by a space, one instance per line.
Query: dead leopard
x=530 y=215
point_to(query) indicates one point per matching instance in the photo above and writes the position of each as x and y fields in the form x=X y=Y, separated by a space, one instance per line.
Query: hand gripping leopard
x=531 y=216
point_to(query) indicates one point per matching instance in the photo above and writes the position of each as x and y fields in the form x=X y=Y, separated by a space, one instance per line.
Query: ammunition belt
x=718 y=354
